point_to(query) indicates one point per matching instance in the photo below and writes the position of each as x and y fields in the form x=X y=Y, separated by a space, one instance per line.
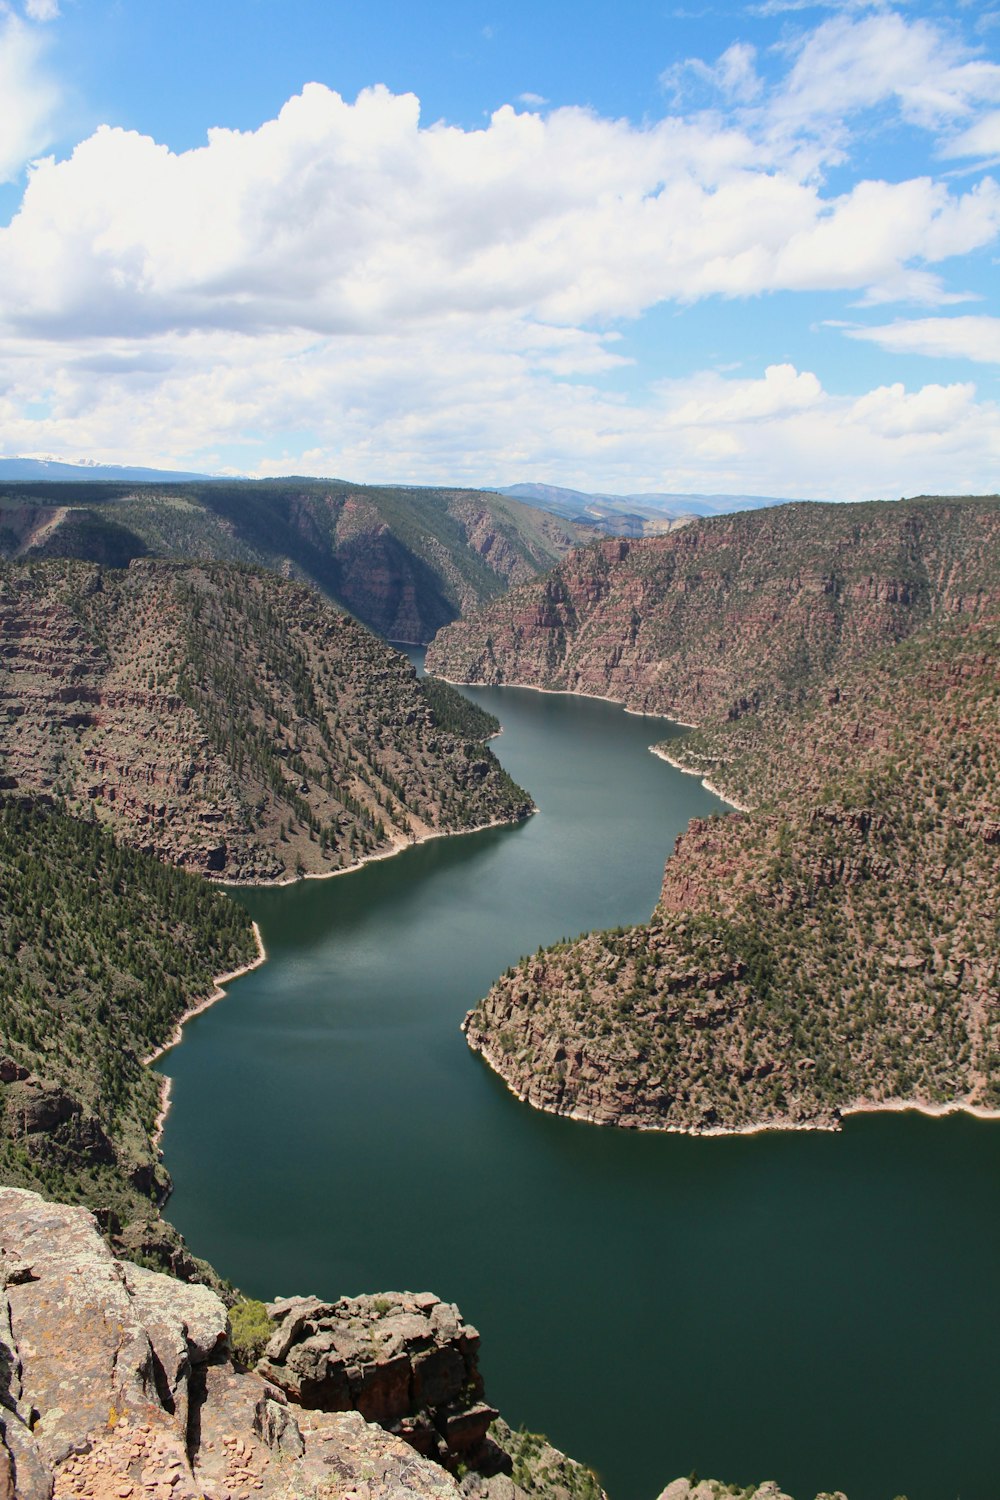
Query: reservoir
x=821 y=1309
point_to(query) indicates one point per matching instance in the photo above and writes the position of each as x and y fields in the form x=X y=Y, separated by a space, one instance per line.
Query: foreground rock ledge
x=118 y=1383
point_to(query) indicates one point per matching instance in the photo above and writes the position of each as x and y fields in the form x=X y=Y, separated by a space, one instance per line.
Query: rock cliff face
x=118 y=1383
x=835 y=949
x=227 y=720
x=403 y=561
x=731 y=614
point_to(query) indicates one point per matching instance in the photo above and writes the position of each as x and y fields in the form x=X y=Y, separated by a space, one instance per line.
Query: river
x=819 y=1309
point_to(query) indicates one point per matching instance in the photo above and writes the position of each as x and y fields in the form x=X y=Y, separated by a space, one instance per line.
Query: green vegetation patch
x=102 y=949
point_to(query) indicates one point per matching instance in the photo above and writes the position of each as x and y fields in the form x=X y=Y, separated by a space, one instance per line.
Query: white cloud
x=41 y=10
x=860 y=60
x=981 y=139
x=340 y=218
x=345 y=289
x=972 y=337
x=850 y=64
x=28 y=97
x=470 y=404
x=734 y=75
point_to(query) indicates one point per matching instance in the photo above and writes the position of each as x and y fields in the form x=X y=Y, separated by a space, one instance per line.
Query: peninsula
x=835 y=948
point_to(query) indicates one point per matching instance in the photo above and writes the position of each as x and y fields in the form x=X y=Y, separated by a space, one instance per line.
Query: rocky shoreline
x=480 y=1045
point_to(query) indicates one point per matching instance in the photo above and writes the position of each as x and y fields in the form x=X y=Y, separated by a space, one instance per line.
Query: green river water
x=823 y=1309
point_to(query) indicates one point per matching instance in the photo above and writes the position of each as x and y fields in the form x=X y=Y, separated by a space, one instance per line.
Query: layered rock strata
x=836 y=949
x=227 y=721
x=734 y=613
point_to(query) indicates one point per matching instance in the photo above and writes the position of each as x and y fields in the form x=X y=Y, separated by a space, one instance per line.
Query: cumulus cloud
x=473 y=405
x=430 y=302
x=28 y=97
x=343 y=218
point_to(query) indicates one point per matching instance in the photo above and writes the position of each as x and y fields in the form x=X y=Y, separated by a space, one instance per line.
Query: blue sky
x=745 y=248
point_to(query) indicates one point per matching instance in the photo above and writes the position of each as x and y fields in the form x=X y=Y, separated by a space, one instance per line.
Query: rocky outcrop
x=405 y=1360
x=227 y=721
x=117 y=1383
x=714 y=1489
x=733 y=613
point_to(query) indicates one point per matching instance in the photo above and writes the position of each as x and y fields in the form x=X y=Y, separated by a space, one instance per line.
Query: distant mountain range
x=631 y=515
x=634 y=515
x=33 y=469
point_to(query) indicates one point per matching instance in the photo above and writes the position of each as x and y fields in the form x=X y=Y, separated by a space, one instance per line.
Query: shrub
x=249 y=1331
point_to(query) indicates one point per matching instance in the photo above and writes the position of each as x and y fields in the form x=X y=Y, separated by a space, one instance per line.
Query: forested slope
x=404 y=561
x=102 y=949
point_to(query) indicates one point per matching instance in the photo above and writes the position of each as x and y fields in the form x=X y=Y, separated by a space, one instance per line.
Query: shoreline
x=218 y=992
x=708 y=785
x=177 y=1034
x=864 y=1107
x=530 y=687
x=399 y=846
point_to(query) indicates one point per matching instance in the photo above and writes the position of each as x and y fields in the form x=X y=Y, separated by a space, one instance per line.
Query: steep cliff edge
x=228 y=720
x=835 y=949
x=118 y=1383
x=732 y=614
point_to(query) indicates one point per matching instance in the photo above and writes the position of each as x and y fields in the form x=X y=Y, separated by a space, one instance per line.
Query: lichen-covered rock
x=117 y=1383
x=403 y=1359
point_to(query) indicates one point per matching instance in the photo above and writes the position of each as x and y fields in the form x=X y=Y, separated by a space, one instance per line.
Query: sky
x=682 y=247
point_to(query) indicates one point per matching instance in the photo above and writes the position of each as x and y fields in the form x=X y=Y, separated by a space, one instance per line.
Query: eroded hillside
x=230 y=721
x=731 y=614
x=404 y=561
x=836 y=947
